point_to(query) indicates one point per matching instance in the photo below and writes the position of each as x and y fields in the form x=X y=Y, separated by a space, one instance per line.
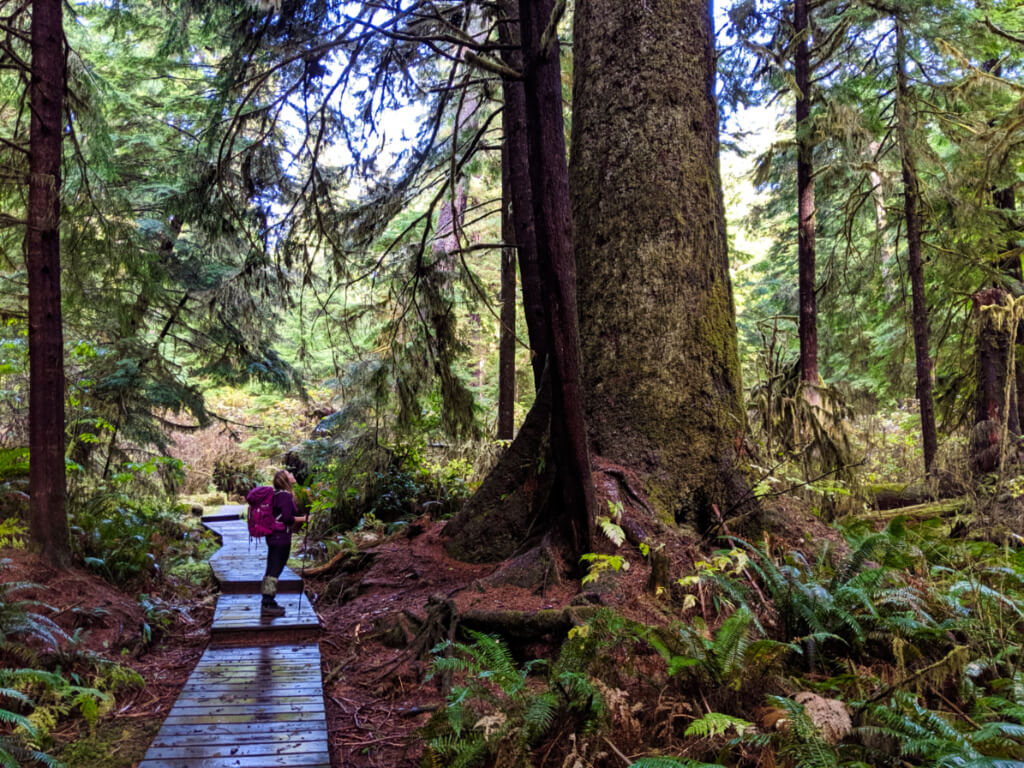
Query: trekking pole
x=302 y=570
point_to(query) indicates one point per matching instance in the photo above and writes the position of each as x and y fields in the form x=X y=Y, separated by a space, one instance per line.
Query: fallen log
x=920 y=512
x=887 y=496
x=523 y=625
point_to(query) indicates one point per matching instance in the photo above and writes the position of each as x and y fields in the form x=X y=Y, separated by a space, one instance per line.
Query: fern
x=715 y=724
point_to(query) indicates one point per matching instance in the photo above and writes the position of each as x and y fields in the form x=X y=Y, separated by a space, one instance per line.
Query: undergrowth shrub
x=364 y=477
x=495 y=708
x=33 y=699
x=129 y=540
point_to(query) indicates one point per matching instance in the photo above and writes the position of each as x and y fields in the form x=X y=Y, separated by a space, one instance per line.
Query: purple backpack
x=261 y=512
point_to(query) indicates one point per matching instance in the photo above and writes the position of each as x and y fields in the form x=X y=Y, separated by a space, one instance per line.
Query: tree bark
x=543 y=481
x=995 y=400
x=507 y=334
x=915 y=260
x=662 y=388
x=552 y=215
x=513 y=119
x=808 y=319
x=48 y=523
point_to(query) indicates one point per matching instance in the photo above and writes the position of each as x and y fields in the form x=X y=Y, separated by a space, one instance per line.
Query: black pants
x=277 y=556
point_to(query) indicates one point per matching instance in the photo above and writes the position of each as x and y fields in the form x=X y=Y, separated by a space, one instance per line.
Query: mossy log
x=894 y=495
x=927 y=511
x=525 y=625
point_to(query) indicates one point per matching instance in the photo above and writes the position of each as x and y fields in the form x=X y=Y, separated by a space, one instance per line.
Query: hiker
x=279 y=543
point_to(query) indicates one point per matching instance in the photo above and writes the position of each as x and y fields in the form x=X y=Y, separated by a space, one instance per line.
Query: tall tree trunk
x=48 y=522
x=552 y=216
x=507 y=333
x=513 y=121
x=915 y=261
x=661 y=368
x=808 y=322
x=543 y=481
x=881 y=221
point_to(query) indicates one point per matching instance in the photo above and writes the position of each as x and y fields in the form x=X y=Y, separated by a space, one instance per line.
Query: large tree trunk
x=808 y=318
x=661 y=369
x=915 y=260
x=48 y=522
x=485 y=529
x=507 y=333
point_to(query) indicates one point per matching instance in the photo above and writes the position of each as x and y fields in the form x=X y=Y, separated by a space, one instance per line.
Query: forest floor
x=377 y=610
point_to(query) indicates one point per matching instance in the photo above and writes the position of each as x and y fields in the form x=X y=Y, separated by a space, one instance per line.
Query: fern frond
x=715 y=724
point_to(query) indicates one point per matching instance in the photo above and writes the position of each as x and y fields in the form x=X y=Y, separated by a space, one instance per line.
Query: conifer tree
x=48 y=521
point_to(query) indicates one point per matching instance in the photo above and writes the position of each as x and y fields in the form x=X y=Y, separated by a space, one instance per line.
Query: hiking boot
x=271 y=608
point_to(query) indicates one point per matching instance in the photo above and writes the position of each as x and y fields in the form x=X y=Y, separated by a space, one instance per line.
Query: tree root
x=347 y=560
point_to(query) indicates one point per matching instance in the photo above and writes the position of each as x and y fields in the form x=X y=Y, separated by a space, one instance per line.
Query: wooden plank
x=308 y=707
x=310 y=760
x=193 y=750
x=250 y=717
x=263 y=651
x=245 y=698
x=236 y=612
x=242 y=731
x=174 y=741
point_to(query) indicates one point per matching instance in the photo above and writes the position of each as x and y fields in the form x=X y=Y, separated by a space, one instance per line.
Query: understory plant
x=33 y=699
x=918 y=635
x=496 y=707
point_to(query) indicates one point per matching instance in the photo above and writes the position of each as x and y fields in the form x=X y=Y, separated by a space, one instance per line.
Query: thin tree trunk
x=513 y=119
x=48 y=522
x=507 y=338
x=806 y=207
x=549 y=182
x=881 y=221
x=915 y=261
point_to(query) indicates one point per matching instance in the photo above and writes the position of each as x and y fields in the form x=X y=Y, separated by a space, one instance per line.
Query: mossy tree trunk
x=513 y=122
x=808 y=325
x=995 y=399
x=507 y=333
x=662 y=387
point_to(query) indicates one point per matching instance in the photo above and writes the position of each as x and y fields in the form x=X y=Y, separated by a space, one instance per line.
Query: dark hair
x=283 y=480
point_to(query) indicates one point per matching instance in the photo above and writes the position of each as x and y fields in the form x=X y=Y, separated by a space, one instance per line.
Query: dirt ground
x=373 y=609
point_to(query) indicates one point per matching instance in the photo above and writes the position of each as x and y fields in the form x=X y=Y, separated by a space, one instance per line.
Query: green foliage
x=20 y=622
x=715 y=724
x=731 y=658
x=493 y=709
x=13 y=463
x=127 y=539
x=12 y=533
x=363 y=478
x=234 y=477
x=809 y=424
x=801 y=742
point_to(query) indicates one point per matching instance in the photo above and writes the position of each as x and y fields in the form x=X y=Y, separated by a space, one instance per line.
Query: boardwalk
x=249 y=706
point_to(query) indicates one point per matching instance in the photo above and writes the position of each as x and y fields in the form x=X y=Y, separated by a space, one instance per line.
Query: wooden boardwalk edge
x=249 y=706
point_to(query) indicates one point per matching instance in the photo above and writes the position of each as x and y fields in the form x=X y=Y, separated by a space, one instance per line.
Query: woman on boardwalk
x=279 y=543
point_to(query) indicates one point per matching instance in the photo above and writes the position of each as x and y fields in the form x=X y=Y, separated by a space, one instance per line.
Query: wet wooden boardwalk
x=249 y=706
